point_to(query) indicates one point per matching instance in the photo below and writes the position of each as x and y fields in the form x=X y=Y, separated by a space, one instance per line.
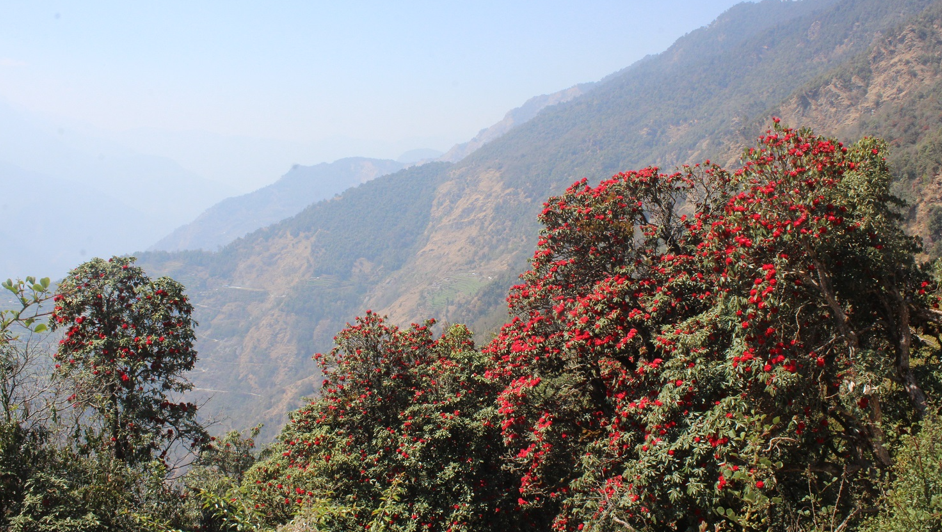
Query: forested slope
x=893 y=90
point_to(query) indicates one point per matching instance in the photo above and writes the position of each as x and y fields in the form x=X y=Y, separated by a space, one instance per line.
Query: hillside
x=261 y=306
x=447 y=240
x=892 y=91
x=234 y=217
x=303 y=185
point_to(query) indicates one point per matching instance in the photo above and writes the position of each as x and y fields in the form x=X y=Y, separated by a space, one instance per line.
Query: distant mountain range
x=446 y=240
x=303 y=185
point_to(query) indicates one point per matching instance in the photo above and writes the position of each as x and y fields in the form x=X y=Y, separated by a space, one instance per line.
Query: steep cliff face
x=447 y=240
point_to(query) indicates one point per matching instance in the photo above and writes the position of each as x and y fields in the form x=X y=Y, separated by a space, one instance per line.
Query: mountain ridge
x=237 y=216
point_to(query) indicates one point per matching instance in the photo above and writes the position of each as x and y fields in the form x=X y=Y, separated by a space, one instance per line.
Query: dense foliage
x=914 y=498
x=66 y=467
x=400 y=437
x=704 y=348
x=712 y=346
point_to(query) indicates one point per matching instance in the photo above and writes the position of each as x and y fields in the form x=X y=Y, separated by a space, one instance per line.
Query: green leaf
x=749 y=495
x=45 y=282
x=40 y=328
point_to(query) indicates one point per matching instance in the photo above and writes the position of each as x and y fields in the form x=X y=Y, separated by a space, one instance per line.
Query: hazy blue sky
x=425 y=73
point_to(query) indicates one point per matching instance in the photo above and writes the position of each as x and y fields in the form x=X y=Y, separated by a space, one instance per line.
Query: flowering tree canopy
x=400 y=438
x=713 y=346
x=128 y=341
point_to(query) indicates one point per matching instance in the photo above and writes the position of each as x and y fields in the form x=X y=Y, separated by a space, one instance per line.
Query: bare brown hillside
x=894 y=71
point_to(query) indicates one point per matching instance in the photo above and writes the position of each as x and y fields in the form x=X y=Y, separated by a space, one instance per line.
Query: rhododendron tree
x=400 y=438
x=716 y=348
x=707 y=349
x=128 y=340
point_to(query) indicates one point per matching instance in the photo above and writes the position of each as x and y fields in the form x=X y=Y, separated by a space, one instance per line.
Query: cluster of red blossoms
x=402 y=419
x=691 y=341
